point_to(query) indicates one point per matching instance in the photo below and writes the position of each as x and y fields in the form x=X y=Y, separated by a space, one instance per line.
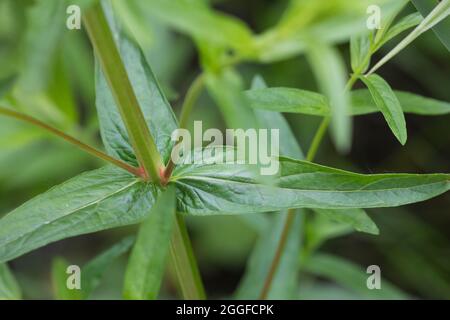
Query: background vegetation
x=48 y=71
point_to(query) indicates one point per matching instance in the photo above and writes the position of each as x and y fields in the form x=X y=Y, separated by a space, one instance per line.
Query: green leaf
x=404 y=24
x=357 y=218
x=46 y=26
x=235 y=189
x=439 y=13
x=156 y=109
x=331 y=22
x=199 y=21
x=94 y=269
x=93 y=201
x=360 y=52
x=387 y=102
x=293 y=100
x=350 y=276
x=109 y=51
x=410 y=103
x=330 y=73
x=425 y=7
x=288 y=100
x=59 y=281
x=147 y=263
x=388 y=18
x=9 y=288
x=275 y=120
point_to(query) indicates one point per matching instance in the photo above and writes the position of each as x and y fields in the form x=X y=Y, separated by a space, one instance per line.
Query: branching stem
x=91 y=150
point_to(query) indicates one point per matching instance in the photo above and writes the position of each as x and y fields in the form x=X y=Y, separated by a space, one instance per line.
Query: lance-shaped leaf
x=97 y=200
x=360 y=52
x=388 y=103
x=9 y=288
x=288 y=100
x=147 y=262
x=298 y=101
x=234 y=189
x=411 y=103
x=156 y=109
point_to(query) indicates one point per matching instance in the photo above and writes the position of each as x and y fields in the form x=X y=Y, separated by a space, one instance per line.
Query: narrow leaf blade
x=93 y=201
x=388 y=103
x=147 y=262
x=9 y=288
x=236 y=189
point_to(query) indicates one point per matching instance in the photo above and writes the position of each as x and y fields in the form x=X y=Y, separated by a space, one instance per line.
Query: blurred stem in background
x=315 y=144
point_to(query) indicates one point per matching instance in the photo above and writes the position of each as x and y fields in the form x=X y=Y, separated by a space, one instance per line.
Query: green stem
x=186 y=109
x=107 y=53
x=70 y=139
x=142 y=141
x=191 y=97
x=318 y=137
x=277 y=258
x=184 y=263
x=181 y=254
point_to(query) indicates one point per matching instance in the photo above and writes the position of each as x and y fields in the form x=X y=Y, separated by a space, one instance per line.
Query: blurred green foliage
x=48 y=71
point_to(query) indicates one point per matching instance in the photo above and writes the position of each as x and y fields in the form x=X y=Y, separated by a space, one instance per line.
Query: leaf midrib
x=316 y=190
x=87 y=205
